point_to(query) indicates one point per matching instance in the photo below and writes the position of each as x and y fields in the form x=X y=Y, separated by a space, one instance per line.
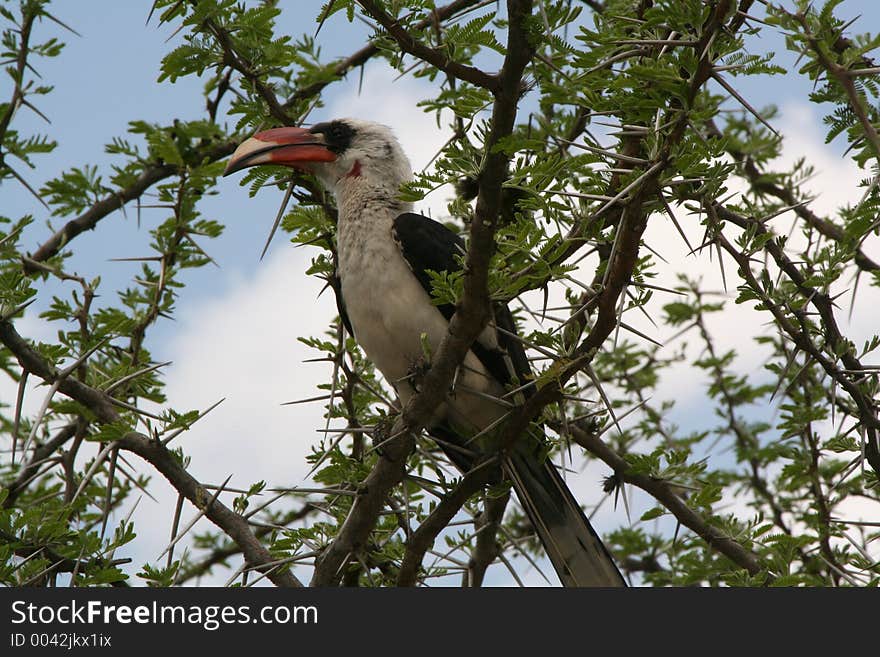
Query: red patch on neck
x=355 y=170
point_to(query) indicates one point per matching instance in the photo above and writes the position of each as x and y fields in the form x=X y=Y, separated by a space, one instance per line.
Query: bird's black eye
x=337 y=135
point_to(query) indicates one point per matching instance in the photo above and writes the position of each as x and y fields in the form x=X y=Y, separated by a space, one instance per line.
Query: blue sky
x=235 y=332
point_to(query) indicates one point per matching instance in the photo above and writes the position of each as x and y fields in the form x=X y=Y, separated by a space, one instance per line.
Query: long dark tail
x=575 y=550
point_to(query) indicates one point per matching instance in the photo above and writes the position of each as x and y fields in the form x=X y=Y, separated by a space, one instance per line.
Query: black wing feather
x=428 y=245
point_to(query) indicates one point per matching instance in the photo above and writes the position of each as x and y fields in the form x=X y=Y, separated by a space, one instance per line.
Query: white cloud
x=243 y=347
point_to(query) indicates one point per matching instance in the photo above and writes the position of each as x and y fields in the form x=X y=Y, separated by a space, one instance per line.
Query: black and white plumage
x=384 y=255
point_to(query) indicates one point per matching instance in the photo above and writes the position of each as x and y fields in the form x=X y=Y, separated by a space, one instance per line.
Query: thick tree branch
x=421 y=540
x=214 y=151
x=372 y=495
x=410 y=45
x=467 y=322
x=31 y=361
x=487 y=548
x=666 y=494
x=359 y=58
x=100 y=405
x=234 y=525
x=473 y=312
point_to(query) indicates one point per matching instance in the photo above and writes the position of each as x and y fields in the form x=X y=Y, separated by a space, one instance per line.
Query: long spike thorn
x=595 y=379
x=626 y=190
x=387 y=440
x=601 y=151
x=134 y=375
x=278 y=217
x=175 y=525
x=733 y=92
x=132 y=480
x=108 y=504
x=197 y=517
x=324 y=16
x=40 y=414
x=5 y=317
x=167 y=439
x=307 y=400
x=345 y=430
x=70 y=369
x=27 y=186
x=629 y=412
x=487 y=429
x=19 y=402
x=784 y=372
x=675 y=223
x=484 y=395
x=629 y=328
x=87 y=477
x=134 y=409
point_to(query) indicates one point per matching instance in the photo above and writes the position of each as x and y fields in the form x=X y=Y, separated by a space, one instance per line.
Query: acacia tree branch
x=631 y=224
x=421 y=540
x=40 y=454
x=759 y=183
x=90 y=218
x=372 y=494
x=473 y=311
x=20 y=64
x=632 y=145
x=839 y=345
x=359 y=58
x=823 y=505
x=102 y=407
x=221 y=554
x=469 y=319
x=666 y=494
x=234 y=525
x=151 y=175
x=247 y=70
x=59 y=563
x=487 y=548
x=211 y=152
x=98 y=403
x=841 y=75
x=746 y=441
x=409 y=44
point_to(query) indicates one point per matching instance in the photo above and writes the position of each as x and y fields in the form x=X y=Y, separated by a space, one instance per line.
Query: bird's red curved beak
x=294 y=147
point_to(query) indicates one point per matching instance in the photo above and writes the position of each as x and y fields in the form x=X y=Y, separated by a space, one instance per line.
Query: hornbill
x=385 y=253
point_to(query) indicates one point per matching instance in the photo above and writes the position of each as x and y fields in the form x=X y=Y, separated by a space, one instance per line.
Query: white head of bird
x=347 y=155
